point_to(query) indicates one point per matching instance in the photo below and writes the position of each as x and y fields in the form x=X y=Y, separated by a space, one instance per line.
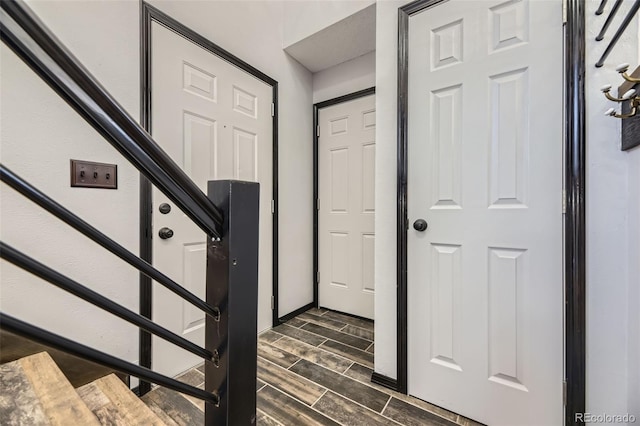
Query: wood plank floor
x=316 y=370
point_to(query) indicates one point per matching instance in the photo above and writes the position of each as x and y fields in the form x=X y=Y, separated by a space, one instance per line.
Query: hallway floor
x=315 y=370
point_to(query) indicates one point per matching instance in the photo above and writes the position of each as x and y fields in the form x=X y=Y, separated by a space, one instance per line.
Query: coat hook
x=635 y=103
x=622 y=69
x=628 y=95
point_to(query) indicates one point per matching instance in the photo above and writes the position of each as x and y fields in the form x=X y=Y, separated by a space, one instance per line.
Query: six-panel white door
x=346 y=171
x=215 y=121
x=485 y=137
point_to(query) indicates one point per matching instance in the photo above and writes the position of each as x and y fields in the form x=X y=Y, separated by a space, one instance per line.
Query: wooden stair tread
x=160 y=413
x=182 y=411
x=114 y=404
x=77 y=370
x=34 y=391
x=19 y=403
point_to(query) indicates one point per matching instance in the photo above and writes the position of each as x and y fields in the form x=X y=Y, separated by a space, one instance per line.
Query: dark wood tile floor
x=316 y=370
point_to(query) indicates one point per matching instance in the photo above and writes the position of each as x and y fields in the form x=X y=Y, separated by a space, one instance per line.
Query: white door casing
x=346 y=191
x=215 y=121
x=485 y=283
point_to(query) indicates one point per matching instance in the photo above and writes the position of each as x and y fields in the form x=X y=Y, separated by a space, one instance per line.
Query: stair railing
x=228 y=215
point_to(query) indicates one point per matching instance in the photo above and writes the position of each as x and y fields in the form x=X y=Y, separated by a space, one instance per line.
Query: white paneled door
x=215 y=121
x=485 y=283
x=346 y=171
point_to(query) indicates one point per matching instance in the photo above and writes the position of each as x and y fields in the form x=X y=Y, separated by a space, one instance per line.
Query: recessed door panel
x=246 y=155
x=369 y=177
x=194 y=255
x=199 y=82
x=445 y=286
x=446 y=45
x=368 y=262
x=507 y=275
x=446 y=157
x=340 y=259
x=509 y=24
x=509 y=140
x=340 y=180
x=198 y=149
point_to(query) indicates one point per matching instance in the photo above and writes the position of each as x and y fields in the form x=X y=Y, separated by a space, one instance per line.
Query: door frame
x=574 y=217
x=316 y=110
x=148 y=15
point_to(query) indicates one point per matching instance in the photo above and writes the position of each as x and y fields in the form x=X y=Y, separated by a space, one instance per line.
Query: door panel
x=485 y=171
x=215 y=121
x=194 y=255
x=444 y=316
x=346 y=186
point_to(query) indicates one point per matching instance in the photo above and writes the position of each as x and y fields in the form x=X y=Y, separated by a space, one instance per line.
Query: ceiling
x=346 y=39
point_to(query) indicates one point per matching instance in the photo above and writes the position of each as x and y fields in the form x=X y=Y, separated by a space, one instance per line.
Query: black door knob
x=164 y=208
x=420 y=225
x=165 y=233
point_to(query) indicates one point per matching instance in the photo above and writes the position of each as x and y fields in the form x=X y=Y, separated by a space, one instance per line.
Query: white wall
x=386 y=180
x=303 y=18
x=634 y=277
x=613 y=190
x=347 y=77
x=40 y=134
x=613 y=212
x=633 y=306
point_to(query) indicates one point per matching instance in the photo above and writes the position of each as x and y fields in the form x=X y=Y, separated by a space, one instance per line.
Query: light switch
x=89 y=174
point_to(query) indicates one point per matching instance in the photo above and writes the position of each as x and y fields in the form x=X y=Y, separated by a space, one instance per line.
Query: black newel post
x=232 y=287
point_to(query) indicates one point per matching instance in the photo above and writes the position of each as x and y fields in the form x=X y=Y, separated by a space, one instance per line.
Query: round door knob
x=164 y=208
x=165 y=233
x=420 y=225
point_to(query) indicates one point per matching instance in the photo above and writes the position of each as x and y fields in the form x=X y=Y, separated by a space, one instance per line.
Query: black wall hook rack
x=630 y=126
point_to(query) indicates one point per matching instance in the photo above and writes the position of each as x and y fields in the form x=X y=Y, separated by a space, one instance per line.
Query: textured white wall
x=633 y=358
x=40 y=134
x=347 y=77
x=613 y=212
x=386 y=180
x=634 y=274
x=613 y=190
